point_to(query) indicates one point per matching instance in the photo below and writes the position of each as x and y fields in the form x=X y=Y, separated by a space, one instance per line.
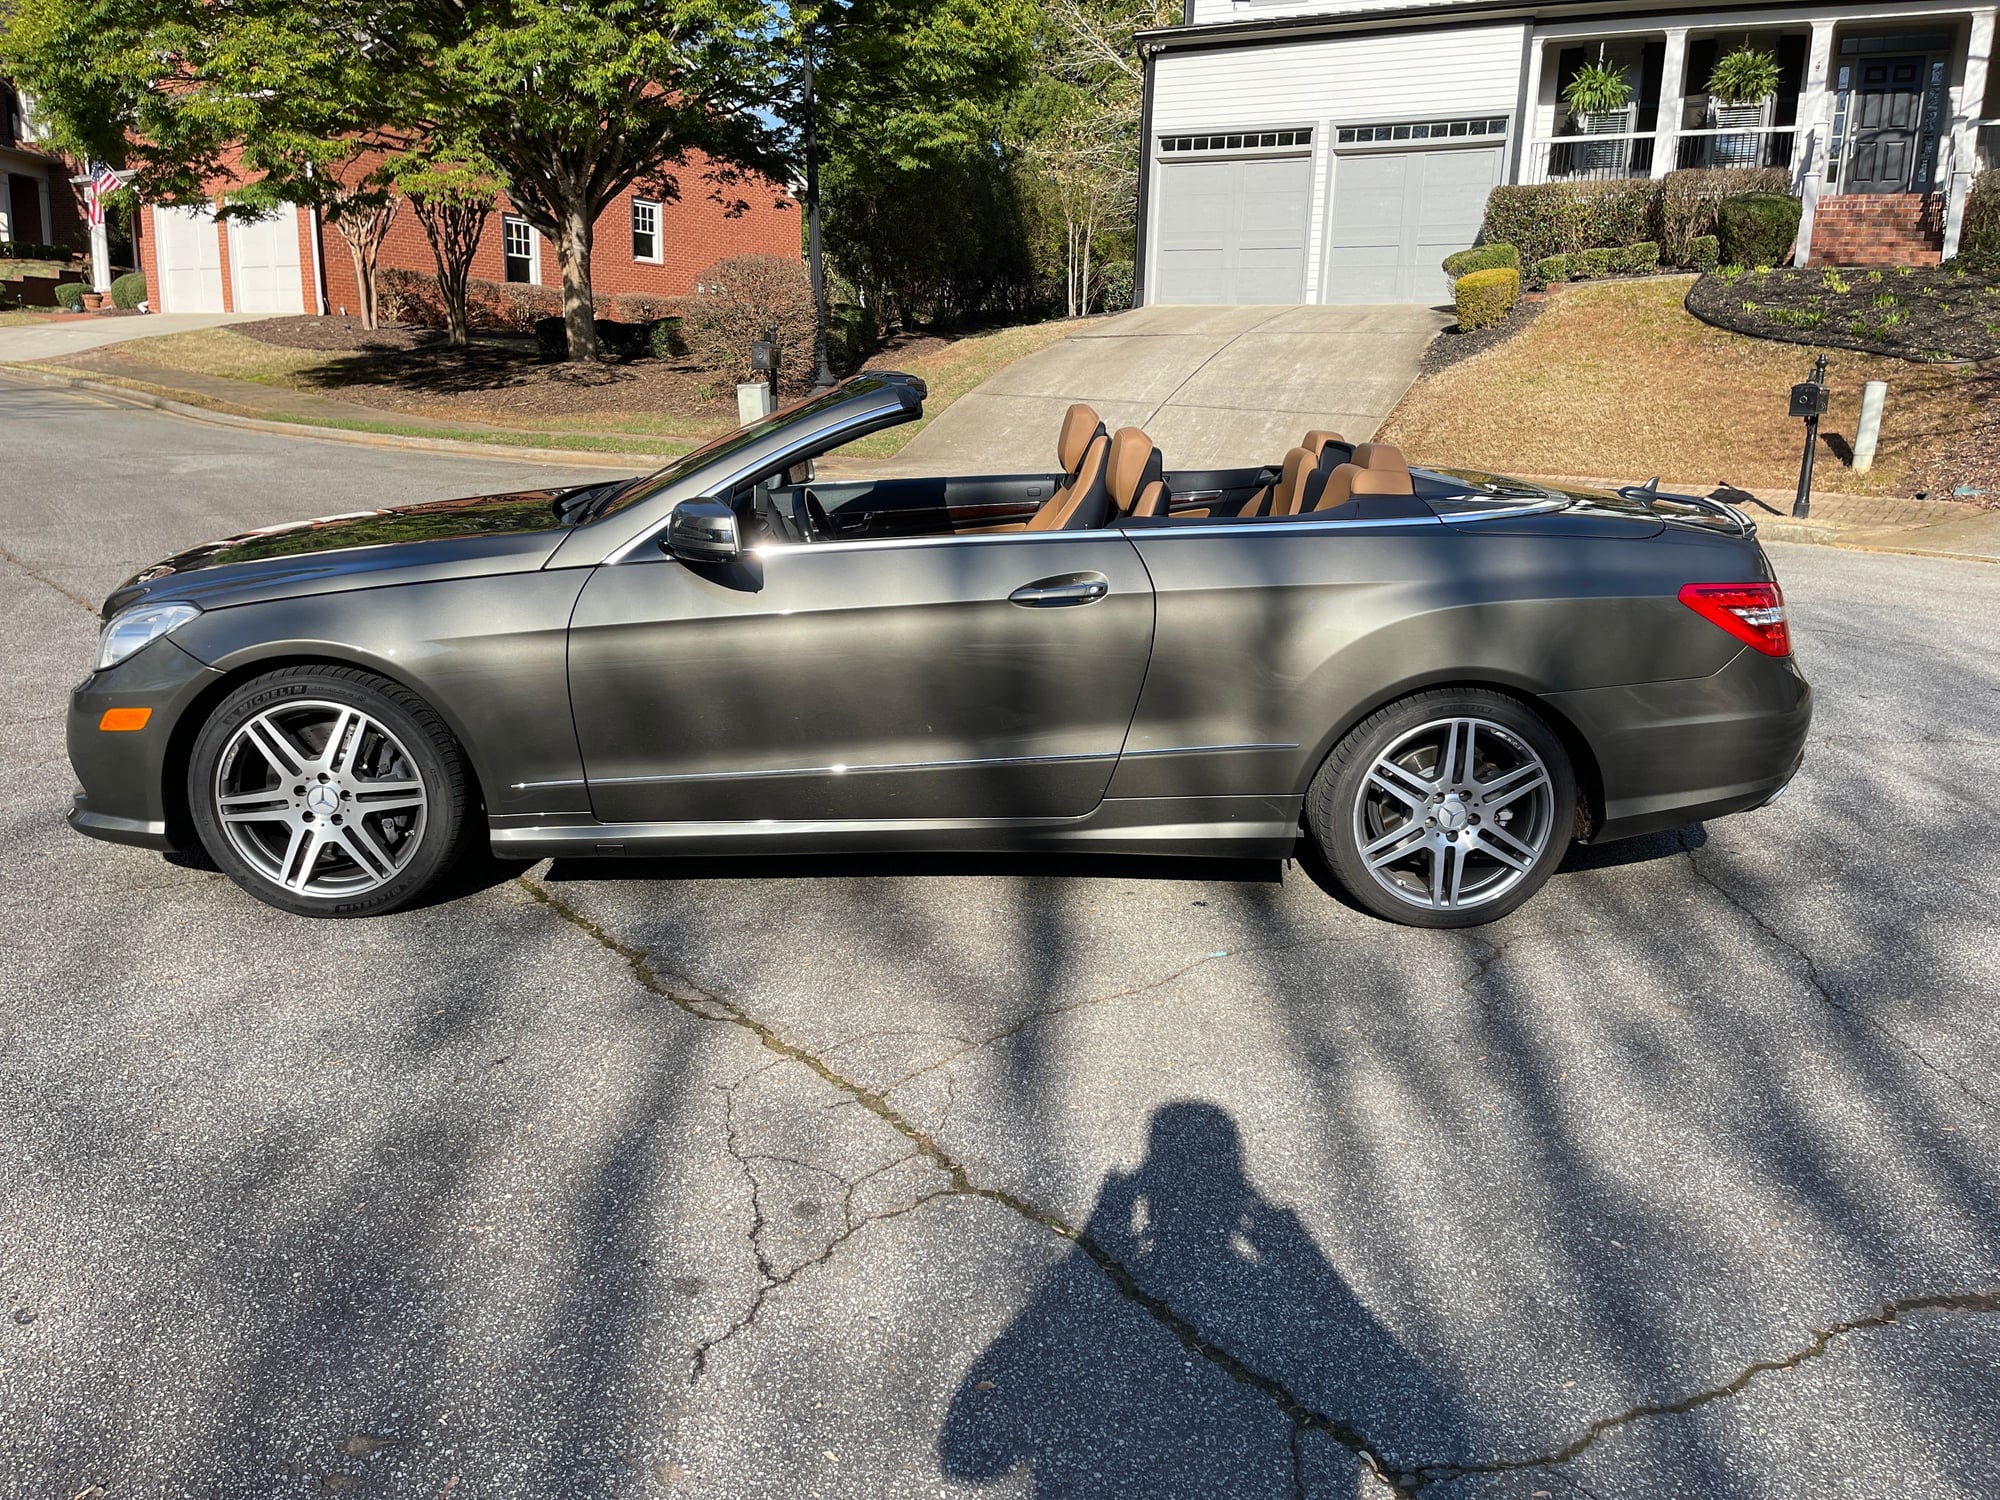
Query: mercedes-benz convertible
x=1441 y=679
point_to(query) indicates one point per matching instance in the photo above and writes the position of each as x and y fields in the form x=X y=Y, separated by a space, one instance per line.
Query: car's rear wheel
x=1446 y=809
x=329 y=792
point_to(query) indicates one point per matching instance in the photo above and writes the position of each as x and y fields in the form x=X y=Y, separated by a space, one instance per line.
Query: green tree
x=452 y=197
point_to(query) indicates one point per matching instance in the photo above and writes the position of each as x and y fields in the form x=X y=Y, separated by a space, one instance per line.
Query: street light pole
x=815 y=264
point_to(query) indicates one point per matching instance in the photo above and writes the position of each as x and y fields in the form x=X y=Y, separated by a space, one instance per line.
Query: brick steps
x=1877 y=229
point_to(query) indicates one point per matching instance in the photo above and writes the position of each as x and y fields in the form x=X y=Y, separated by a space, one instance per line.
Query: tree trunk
x=579 y=309
x=454 y=228
x=363 y=230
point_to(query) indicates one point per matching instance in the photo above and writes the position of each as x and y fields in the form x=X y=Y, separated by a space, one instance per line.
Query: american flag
x=102 y=182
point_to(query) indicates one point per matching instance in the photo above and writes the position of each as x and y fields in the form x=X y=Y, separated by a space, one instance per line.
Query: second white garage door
x=1233 y=231
x=264 y=263
x=1396 y=215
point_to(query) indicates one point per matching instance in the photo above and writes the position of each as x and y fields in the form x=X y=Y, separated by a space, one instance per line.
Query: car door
x=946 y=677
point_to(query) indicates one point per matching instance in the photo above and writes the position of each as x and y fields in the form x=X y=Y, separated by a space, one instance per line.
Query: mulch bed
x=1451 y=346
x=336 y=334
x=1925 y=313
x=1967 y=467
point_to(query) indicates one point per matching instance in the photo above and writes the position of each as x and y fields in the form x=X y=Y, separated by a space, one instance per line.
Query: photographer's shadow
x=1095 y=1397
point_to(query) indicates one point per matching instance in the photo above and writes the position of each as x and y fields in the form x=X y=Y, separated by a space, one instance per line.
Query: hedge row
x=1642 y=259
x=1565 y=218
x=1757 y=229
x=31 y=250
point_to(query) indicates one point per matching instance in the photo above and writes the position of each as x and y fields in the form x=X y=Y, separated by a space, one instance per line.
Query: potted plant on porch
x=1740 y=93
x=1600 y=103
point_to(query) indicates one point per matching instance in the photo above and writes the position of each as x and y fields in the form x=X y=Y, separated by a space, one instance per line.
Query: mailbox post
x=1809 y=400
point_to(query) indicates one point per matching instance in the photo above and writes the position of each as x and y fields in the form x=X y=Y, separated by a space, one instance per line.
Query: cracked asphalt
x=953 y=1177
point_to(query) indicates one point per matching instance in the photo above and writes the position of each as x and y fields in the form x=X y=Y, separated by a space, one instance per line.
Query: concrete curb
x=29 y=375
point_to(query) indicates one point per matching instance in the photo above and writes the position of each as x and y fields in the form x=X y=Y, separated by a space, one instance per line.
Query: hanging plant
x=1745 y=76
x=1598 y=88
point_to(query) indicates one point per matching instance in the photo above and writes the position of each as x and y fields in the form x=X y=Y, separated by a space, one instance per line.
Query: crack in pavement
x=1821 y=1339
x=48 y=583
x=1811 y=968
x=715 y=1008
x=1301 y=1416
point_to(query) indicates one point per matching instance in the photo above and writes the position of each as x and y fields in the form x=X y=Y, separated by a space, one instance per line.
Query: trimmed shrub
x=31 y=250
x=1115 y=286
x=1591 y=263
x=738 y=301
x=552 y=338
x=69 y=296
x=1642 y=259
x=1561 y=218
x=1689 y=198
x=1979 y=230
x=1704 y=253
x=411 y=298
x=129 y=290
x=663 y=339
x=1757 y=229
x=1552 y=269
x=1485 y=297
x=1481 y=258
x=851 y=335
x=616 y=340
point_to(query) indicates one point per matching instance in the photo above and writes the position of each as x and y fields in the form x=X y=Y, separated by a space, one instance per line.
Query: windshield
x=647 y=485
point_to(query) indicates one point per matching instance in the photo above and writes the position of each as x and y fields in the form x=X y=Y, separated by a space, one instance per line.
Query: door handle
x=1070 y=588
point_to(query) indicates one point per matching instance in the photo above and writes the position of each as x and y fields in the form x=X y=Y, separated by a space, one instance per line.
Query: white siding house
x=1335 y=152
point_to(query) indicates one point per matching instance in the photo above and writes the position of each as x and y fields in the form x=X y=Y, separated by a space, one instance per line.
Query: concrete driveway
x=1214 y=386
x=1093 y=1180
x=54 y=340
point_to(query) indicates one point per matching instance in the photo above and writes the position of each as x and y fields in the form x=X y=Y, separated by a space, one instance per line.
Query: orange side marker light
x=125 y=718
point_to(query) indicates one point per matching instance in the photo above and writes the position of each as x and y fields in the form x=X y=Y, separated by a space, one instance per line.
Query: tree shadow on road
x=1073 y=1393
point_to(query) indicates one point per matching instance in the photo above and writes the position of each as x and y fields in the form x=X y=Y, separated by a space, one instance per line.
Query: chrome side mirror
x=703 y=531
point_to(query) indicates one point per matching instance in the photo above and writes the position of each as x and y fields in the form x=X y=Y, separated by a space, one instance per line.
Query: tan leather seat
x=1383 y=458
x=1078 y=500
x=1347 y=481
x=1282 y=498
x=1133 y=475
x=1317 y=442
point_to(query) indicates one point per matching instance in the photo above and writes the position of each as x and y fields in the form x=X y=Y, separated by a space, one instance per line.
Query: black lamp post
x=815 y=265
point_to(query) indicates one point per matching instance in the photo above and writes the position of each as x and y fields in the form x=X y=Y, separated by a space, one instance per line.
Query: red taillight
x=1752 y=612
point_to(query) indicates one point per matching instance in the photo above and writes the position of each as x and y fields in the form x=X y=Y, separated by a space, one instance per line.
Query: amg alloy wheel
x=328 y=791
x=1446 y=810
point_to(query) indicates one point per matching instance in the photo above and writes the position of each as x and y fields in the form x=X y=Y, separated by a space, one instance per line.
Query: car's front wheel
x=329 y=792
x=1446 y=809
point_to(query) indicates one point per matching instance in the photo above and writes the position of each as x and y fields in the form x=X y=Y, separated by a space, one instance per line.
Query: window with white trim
x=1488 y=127
x=517 y=241
x=645 y=231
x=1241 y=140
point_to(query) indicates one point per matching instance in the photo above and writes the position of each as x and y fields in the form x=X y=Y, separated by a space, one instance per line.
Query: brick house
x=37 y=203
x=291 y=262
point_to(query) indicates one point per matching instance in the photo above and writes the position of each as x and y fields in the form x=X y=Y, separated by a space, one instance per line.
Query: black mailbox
x=764 y=358
x=1809 y=399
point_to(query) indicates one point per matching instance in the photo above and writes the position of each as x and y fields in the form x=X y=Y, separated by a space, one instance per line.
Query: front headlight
x=130 y=629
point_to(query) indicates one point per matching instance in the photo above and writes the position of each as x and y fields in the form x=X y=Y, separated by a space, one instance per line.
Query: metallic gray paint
x=893 y=693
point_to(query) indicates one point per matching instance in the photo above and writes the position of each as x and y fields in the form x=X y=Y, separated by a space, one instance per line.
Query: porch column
x=1667 y=124
x=1531 y=109
x=1815 y=131
x=1962 y=161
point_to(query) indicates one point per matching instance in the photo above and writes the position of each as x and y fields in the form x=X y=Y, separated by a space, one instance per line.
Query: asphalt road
x=967 y=1177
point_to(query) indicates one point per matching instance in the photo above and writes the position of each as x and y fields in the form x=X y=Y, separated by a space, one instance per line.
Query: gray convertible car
x=1440 y=679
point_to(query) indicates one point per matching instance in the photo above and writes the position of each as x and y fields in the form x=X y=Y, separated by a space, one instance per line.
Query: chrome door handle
x=1074 y=588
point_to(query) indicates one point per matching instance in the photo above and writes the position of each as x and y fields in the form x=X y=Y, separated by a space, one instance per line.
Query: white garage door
x=1397 y=214
x=264 y=262
x=190 y=260
x=1233 y=231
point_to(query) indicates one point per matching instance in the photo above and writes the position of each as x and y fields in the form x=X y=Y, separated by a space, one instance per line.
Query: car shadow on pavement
x=857 y=866
x=1075 y=1393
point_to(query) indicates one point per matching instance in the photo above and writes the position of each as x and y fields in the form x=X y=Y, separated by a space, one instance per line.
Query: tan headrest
x=1317 y=439
x=1291 y=482
x=1383 y=457
x=1348 y=480
x=1079 y=425
x=1132 y=454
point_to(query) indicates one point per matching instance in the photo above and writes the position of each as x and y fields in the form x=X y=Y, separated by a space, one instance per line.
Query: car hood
x=480 y=534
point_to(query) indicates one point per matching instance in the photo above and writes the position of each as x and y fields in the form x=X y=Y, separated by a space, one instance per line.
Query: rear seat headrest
x=1079 y=425
x=1385 y=458
x=1133 y=467
x=1347 y=481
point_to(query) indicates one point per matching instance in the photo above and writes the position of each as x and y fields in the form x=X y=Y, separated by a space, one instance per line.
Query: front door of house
x=1888 y=123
